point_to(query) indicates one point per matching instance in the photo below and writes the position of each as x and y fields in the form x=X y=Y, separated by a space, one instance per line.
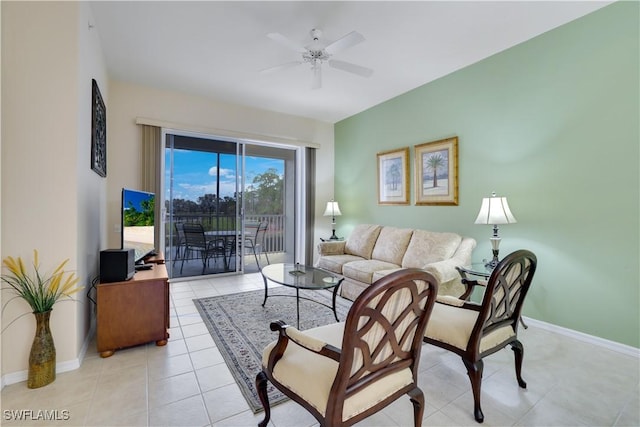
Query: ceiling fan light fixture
x=317 y=52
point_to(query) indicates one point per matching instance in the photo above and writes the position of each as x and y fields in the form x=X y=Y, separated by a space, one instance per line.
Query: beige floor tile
x=290 y=414
x=195 y=329
x=183 y=413
x=117 y=419
x=163 y=367
x=172 y=389
x=117 y=402
x=199 y=342
x=214 y=376
x=243 y=419
x=224 y=402
x=207 y=357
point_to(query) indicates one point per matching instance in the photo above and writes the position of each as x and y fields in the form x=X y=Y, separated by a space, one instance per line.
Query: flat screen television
x=138 y=227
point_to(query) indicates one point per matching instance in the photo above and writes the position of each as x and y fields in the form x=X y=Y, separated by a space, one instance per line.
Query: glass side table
x=479 y=271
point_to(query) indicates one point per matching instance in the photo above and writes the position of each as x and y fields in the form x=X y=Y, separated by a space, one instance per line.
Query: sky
x=195 y=173
x=134 y=198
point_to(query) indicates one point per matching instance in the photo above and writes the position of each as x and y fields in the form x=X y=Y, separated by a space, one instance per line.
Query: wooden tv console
x=135 y=311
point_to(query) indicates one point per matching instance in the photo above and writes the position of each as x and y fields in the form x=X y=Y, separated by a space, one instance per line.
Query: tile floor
x=186 y=383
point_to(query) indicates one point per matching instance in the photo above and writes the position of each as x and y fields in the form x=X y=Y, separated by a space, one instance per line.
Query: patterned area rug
x=239 y=326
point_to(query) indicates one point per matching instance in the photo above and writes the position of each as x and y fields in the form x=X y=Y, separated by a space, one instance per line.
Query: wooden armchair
x=344 y=372
x=474 y=331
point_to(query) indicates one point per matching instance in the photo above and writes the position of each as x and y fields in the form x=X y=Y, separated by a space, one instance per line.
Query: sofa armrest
x=463 y=253
x=444 y=271
x=331 y=248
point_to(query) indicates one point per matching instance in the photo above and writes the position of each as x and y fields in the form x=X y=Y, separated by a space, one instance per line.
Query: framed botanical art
x=436 y=172
x=393 y=177
x=98 y=131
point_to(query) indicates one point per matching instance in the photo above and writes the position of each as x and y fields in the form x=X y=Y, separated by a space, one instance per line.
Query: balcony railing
x=274 y=237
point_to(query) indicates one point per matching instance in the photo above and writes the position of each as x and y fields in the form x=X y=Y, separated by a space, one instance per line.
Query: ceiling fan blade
x=277 y=37
x=351 y=39
x=317 y=77
x=351 y=68
x=281 y=67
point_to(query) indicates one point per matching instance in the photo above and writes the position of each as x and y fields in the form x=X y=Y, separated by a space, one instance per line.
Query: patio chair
x=196 y=242
x=255 y=242
x=255 y=233
x=180 y=242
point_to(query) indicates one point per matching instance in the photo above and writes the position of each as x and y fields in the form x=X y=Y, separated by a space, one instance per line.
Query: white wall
x=128 y=102
x=50 y=197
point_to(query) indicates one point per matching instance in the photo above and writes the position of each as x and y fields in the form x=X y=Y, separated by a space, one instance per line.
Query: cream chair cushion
x=311 y=376
x=453 y=325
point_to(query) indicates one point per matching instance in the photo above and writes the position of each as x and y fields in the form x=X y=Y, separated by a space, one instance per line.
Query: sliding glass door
x=228 y=205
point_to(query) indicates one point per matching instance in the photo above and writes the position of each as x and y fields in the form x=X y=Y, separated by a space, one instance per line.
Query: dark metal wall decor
x=98 y=132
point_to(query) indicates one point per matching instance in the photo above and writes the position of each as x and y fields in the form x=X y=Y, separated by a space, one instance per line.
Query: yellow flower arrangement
x=40 y=292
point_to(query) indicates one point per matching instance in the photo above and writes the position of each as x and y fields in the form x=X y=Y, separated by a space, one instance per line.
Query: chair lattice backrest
x=506 y=290
x=384 y=329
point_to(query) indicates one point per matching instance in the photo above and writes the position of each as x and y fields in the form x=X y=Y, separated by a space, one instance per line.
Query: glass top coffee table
x=300 y=276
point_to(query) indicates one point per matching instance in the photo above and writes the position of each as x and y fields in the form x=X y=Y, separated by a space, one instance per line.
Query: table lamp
x=332 y=210
x=495 y=210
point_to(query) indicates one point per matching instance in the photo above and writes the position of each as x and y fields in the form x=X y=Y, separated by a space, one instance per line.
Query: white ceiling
x=217 y=48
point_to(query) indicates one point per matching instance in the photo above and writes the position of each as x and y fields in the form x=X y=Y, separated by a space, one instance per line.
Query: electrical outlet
x=116 y=228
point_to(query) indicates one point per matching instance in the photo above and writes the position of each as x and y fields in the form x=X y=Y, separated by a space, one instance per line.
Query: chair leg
x=417 y=398
x=518 y=350
x=474 y=370
x=176 y=256
x=204 y=261
x=184 y=255
x=256 y=256
x=261 y=386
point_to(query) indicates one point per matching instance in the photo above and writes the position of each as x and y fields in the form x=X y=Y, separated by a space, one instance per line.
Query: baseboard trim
x=66 y=366
x=591 y=339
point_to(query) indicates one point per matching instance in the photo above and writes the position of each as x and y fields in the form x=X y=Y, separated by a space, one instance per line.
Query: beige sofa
x=373 y=251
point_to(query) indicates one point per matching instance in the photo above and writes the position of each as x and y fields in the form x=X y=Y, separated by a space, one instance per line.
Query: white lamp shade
x=495 y=210
x=332 y=209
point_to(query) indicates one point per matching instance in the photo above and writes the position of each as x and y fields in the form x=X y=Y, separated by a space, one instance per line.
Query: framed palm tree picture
x=393 y=177
x=436 y=172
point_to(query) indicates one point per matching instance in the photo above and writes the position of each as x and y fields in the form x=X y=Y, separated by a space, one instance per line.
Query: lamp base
x=333 y=235
x=490 y=265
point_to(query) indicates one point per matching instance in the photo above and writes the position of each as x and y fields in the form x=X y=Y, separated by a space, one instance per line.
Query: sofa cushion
x=334 y=263
x=362 y=239
x=377 y=275
x=426 y=247
x=392 y=244
x=362 y=271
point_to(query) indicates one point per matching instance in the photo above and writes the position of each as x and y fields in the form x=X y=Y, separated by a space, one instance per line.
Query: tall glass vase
x=42 y=359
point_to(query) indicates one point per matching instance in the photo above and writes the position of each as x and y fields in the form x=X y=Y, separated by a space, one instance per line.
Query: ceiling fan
x=317 y=52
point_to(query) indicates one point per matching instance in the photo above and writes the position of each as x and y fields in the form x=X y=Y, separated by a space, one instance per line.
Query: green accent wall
x=552 y=124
